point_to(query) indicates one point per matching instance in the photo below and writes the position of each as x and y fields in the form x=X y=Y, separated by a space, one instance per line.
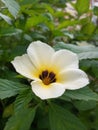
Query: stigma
x=47 y=77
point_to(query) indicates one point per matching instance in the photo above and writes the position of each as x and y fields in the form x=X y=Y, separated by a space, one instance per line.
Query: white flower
x=52 y=72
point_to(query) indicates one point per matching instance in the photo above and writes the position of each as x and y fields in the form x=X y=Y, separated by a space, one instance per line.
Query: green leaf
x=85 y=105
x=67 y=23
x=82 y=6
x=8 y=111
x=9 y=88
x=88 y=29
x=90 y=64
x=26 y=2
x=12 y=6
x=62 y=119
x=49 y=8
x=88 y=55
x=75 y=48
x=22 y=118
x=9 y=31
x=84 y=52
x=95 y=10
x=6 y=18
x=23 y=113
x=23 y=99
x=85 y=94
x=35 y=20
x=39 y=19
x=95 y=71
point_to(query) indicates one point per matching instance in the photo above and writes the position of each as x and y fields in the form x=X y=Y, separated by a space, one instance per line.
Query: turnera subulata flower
x=51 y=72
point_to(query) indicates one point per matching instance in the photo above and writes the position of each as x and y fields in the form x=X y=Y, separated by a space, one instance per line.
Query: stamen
x=47 y=77
x=40 y=76
x=51 y=75
x=44 y=74
x=52 y=81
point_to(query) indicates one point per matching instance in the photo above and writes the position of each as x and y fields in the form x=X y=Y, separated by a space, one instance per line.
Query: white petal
x=45 y=92
x=65 y=59
x=73 y=79
x=24 y=66
x=40 y=53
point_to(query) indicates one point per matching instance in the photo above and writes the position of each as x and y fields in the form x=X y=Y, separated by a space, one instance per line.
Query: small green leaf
x=9 y=88
x=8 y=111
x=88 y=29
x=81 y=94
x=82 y=6
x=12 y=6
x=67 y=23
x=23 y=99
x=95 y=10
x=62 y=119
x=6 y=18
x=39 y=19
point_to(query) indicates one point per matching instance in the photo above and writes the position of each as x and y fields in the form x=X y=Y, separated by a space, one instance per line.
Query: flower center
x=47 y=77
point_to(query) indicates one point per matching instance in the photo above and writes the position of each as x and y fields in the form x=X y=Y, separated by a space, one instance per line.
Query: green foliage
x=82 y=6
x=9 y=88
x=12 y=6
x=21 y=120
x=60 y=118
x=88 y=55
x=24 y=21
x=6 y=18
x=10 y=31
x=23 y=114
x=96 y=10
x=85 y=105
x=84 y=52
x=81 y=94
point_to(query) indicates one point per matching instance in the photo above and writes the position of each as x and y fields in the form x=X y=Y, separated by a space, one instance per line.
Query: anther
x=51 y=75
x=52 y=81
x=44 y=74
x=40 y=76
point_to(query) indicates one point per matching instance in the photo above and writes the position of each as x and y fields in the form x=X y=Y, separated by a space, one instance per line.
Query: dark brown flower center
x=47 y=77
